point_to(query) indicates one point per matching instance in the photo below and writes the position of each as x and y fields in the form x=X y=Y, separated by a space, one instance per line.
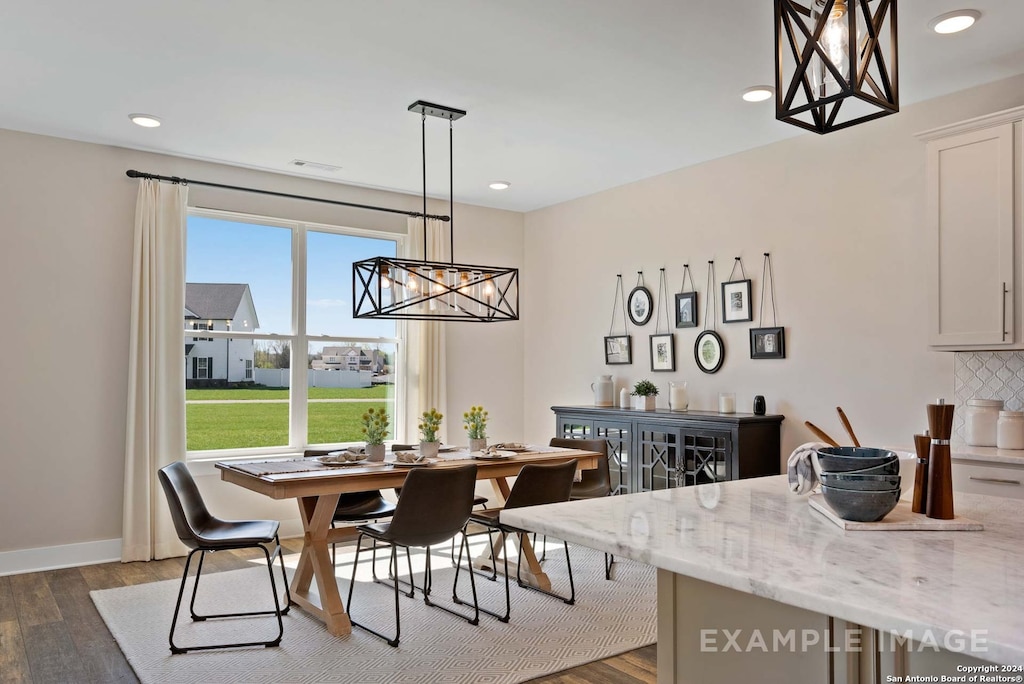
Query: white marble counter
x=756 y=537
x=962 y=452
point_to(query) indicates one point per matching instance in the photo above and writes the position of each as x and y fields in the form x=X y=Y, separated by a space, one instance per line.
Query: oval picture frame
x=709 y=351
x=640 y=305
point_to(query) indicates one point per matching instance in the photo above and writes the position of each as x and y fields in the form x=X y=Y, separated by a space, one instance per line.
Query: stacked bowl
x=860 y=484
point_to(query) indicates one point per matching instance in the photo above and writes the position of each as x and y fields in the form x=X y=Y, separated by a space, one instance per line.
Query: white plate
x=497 y=456
x=517 y=449
x=330 y=461
x=424 y=462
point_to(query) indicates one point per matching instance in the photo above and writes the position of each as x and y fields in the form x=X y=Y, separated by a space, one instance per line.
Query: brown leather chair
x=434 y=507
x=536 y=484
x=595 y=483
x=202 y=532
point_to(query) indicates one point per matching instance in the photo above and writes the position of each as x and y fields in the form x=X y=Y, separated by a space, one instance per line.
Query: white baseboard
x=55 y=557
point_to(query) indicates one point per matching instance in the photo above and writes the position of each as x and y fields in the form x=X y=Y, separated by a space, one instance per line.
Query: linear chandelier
x=420 y=289
x=835 y=62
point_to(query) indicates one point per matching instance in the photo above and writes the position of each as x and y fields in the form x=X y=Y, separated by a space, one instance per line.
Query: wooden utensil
x=820 y=434
x=846 y=424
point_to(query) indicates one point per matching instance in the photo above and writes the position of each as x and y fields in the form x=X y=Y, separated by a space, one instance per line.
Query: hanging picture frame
x=736 y=305
x=686 y=302
x=709 y=349
x=663 y=346
x=640 y=303
x=618 y=349
x=768 y=343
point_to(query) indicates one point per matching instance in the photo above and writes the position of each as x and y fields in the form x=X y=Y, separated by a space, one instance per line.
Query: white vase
x=375 y=452
x=429 y=449
x=478 y=444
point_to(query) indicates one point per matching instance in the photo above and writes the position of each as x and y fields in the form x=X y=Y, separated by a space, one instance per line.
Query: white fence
x=279 y=377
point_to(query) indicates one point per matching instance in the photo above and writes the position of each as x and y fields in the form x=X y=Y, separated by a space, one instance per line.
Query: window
x=274 y=374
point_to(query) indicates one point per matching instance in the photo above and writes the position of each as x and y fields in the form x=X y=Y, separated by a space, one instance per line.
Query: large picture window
x=282 y=364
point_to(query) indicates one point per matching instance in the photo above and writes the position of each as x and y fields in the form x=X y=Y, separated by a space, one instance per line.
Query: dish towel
x=802 y=477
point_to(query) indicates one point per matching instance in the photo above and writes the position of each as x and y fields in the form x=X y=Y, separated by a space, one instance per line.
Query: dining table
x=317 y=487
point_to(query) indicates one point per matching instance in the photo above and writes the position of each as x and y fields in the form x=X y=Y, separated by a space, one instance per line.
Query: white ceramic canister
x=1010 y=430
x=623 y=398
x=980 y=419
x=603 y=391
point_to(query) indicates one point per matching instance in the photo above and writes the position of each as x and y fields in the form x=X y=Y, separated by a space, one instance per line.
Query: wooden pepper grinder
x=922 y=443
x=939 y=503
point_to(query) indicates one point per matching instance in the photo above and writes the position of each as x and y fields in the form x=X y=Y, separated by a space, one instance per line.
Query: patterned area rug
x=544 y=636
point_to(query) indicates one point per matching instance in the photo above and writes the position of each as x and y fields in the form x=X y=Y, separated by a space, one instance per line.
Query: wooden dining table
x=318 y=489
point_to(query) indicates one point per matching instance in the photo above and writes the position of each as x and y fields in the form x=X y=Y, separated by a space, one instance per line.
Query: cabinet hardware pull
x=995 y=480
x=1005 y=291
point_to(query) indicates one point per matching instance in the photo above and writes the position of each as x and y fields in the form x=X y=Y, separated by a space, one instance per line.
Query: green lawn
x=236 y=426
x=375 y=392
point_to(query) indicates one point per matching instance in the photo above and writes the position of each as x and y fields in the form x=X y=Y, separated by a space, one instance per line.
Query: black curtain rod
x=132 y=173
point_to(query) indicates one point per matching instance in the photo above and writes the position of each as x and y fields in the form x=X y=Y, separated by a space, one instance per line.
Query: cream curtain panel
x=425 y=340
x=156 y=376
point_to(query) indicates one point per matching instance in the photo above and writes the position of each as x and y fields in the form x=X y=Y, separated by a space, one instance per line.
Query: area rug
x=543 y=637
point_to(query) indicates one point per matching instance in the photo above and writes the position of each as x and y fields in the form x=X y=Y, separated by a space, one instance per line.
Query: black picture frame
x=736 y=304
x=767 y=343
x=686 y=310
x=709 y=351
x=640 y=305
x=663 y=353
x=618 y=350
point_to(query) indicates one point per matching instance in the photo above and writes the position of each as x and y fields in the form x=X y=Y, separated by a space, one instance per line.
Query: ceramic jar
x=1010 y=430
x=980 y=419
x=603 y=390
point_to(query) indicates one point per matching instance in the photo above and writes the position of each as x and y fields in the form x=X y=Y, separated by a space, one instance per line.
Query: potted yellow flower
x=430 y=423
x=375 y=430
x=474 y=422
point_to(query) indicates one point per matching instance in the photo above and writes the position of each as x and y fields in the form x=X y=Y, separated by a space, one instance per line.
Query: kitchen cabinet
x=994 y=479
x=974 y=175
x=663 y=449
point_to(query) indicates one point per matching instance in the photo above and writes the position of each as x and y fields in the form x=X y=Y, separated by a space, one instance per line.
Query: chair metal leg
x=571 y=599
x=398 y=621
x=608 y=561
x=472 y=571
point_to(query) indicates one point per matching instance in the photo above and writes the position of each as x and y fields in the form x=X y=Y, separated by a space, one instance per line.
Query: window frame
x=299 y=338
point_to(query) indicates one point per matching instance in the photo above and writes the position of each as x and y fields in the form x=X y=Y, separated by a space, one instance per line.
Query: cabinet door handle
x=1005 y=292
x=995 y=480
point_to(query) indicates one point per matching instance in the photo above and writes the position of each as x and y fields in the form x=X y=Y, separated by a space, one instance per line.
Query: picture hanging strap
x=686 y=273
x=662 y=300
x=619 y=301
x=640 y=279
x=732 y=273
x=766 y=275
x=711 y=301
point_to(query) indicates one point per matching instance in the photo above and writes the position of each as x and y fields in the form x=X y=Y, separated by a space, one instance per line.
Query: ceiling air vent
x=317 y=166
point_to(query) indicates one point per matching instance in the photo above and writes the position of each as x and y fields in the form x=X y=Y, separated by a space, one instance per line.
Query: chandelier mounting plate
x=440 y=111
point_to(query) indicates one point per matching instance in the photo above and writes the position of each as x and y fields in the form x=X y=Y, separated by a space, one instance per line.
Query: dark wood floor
x=50 y=630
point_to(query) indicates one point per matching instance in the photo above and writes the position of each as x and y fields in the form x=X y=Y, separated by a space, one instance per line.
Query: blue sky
x=221 y=251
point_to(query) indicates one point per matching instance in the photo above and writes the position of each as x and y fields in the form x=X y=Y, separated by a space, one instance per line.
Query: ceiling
x=564 y=97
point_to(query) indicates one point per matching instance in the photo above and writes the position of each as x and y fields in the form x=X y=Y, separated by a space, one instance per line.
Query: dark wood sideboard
x=661 y=449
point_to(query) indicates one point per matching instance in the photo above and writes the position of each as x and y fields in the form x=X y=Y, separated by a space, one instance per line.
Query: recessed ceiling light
x=144 y=120
x=758 y=93
x=952 y=22
x=500 y=185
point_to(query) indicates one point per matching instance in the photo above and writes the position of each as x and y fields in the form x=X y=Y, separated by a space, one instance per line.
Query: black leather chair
x=203 y=533
x=536 y=484
x=595 y=483
x=434 y=507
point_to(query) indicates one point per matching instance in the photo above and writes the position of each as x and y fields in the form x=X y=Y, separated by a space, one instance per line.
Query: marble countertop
x=962 y=452
x=755 y=536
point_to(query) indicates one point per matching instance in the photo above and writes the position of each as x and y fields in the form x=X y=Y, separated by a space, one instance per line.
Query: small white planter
x=375 y=452
x=478 y=444
x=645 y=403
x=429 y=449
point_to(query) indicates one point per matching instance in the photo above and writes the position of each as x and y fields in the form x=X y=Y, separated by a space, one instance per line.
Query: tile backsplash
x=987 y=375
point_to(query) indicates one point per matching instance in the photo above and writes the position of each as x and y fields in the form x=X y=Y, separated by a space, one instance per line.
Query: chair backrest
x=188 y=511
x=435 y=504
x=542 y=483
x=599 y=476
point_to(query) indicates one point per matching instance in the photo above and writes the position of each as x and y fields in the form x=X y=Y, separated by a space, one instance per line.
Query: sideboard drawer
x=989 y=478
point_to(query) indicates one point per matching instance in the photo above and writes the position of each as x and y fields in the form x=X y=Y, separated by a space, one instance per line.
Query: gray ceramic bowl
x=861 y=506
x=867 y=482
x=846 y=459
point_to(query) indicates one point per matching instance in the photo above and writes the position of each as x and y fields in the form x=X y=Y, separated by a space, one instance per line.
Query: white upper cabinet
x=974 y=233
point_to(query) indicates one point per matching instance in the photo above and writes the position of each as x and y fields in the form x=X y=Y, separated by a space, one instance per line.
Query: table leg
x=315 y=563
x=533 y=573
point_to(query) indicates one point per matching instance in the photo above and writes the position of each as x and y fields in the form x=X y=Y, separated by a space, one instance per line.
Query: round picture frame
x=640 y=305
x=709 y=351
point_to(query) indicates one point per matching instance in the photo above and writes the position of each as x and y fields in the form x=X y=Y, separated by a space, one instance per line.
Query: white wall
x=67 y=213
x=843 y=218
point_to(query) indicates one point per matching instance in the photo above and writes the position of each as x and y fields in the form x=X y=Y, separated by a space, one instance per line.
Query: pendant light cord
x=423 y=141
x=451 y=192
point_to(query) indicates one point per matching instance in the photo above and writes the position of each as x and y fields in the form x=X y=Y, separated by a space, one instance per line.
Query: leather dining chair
x=536 y=484
x=595 y=483
x=203 y=533
x=434 y=507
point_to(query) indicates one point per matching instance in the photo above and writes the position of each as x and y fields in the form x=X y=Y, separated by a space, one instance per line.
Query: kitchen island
x=754 y=585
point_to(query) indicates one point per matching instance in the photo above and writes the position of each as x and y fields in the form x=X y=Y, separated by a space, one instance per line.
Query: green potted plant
x=474 y=422
x=430 y=423
x=375 y=430
x=646 y=393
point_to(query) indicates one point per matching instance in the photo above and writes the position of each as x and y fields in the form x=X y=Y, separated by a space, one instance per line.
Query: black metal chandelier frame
x=882 y=94
x=420 y=289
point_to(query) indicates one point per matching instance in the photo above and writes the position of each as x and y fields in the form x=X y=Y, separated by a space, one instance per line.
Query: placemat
x=259 y=468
